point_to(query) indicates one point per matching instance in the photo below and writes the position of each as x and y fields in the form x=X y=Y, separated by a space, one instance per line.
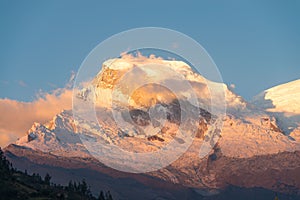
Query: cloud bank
x=17 y=117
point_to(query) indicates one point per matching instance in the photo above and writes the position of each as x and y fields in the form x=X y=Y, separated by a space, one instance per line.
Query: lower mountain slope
x=235 y=178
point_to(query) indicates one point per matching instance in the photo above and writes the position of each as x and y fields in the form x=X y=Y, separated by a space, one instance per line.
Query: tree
x=71 y=187
x=37 y=178
x=83 y=187
x=108 y=196
x=47 y=179
x=13 y=188
x=101 y=196
x=4 y=163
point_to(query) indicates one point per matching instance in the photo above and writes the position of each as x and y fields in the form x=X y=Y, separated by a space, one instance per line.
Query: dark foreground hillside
x=16 y=185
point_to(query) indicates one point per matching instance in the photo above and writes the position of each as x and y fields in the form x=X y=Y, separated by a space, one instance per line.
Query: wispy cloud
x=3 y=82
x=232 y=86
x=4 y=138
x=52 y=85
x=175 y=45
x=22 y=83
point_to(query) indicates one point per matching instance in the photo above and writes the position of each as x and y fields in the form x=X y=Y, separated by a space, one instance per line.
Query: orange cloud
x=4 y=138
x=17 y=117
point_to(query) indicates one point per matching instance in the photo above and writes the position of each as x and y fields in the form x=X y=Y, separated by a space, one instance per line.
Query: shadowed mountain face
x=251 y=154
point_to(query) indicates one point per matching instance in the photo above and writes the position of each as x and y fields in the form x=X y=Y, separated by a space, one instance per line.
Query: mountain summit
x=252 y=141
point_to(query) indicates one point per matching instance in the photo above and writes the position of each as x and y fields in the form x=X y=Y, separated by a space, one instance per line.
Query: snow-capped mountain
x=59 y=137
x=250 y=131
x=283 y=103
x=250 y=135
x=283 y=98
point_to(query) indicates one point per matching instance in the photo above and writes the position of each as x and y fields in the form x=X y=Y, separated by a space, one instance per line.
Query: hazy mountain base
x=142 y=186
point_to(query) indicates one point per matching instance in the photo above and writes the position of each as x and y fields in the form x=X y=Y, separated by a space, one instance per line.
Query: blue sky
x=255 y=44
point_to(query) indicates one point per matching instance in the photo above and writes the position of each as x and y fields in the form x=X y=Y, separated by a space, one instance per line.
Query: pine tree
x=41 y=185
x=83 y=187
x=76 y=188
x=47 y=179
x=101 y=196
x=4 y=163
x=108 y=196
x=71 y=187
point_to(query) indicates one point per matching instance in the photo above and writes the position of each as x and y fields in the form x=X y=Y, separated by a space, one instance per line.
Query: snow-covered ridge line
x=282 y=102
x=282 y=98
